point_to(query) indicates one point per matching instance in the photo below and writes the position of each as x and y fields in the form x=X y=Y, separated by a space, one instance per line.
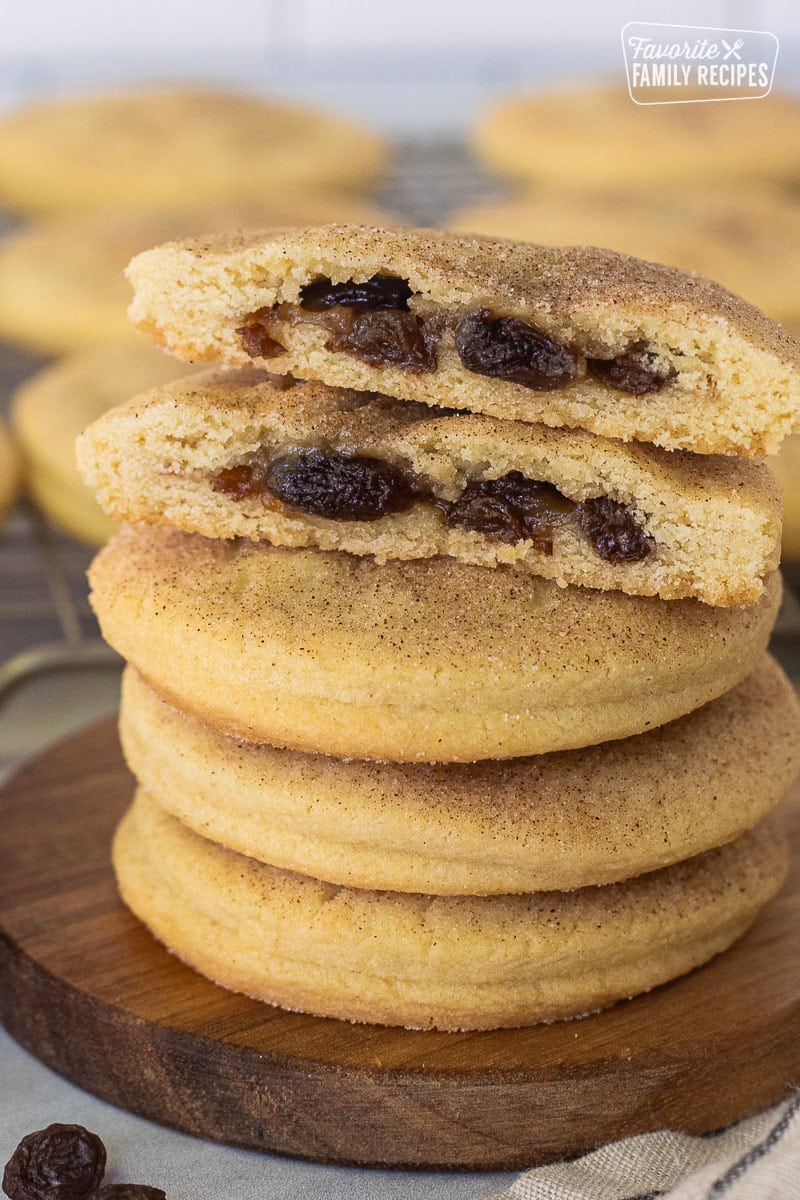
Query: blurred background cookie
x=51 y=409
x=595 y=136
x=787 y=467
x=746 y=237
x=62 y=286
x=9 y=472
x=167 y=147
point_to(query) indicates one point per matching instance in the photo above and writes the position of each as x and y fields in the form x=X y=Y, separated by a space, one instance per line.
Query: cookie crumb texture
x=433 y=660
x=241 y=454
x=435 y=962
x=577 y=336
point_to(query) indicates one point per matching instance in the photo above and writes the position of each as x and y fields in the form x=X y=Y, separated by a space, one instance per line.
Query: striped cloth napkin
x=758 y=1159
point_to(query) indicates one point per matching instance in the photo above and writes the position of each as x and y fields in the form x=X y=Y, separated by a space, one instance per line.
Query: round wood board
x=86 y=988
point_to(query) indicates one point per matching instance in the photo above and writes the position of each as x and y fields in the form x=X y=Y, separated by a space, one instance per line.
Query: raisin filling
x=341 y=487
x=388 y=338
x=239 y=482
x=371 y=321
x=636 y=372
x=506 y=348
x=381 y=291
x=257 y=342
x=610 y=528
x=512 y=508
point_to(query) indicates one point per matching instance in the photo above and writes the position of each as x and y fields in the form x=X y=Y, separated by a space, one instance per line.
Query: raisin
x=485 y=512
x=381 y=291
x=340 y=487
x=61 y=1162
x=388 y=338
x=256 y=342
x=130 y=1191
x=506 y=348
x=511 y=509
x=246 y=479
x=613 y=530
x=634 y=372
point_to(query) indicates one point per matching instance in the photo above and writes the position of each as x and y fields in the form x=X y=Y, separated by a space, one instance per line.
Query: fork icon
x=733 y=49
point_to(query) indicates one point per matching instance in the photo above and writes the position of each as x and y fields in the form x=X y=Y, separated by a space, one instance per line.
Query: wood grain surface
x=86 y=989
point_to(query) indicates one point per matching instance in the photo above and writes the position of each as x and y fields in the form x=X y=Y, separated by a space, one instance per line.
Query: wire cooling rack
x=46 y=625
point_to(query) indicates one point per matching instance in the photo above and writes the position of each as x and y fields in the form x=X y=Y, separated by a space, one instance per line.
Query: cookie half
x=165 y=147
x=241 y=454
x=432 y=660
x=573 y=336
x=453 y=962
x=556 y=821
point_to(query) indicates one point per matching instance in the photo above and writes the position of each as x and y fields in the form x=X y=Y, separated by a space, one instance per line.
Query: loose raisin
x=388 y=338
x=130 y=1191
x=635 y=371
x=61 y=1162
x=613 y=530
x=381 y=291
x=507 y=348
x=256 y=342
x=511 y=509
x=340 y=487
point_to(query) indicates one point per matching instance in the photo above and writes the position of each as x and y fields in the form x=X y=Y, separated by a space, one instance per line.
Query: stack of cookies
x=448 y=697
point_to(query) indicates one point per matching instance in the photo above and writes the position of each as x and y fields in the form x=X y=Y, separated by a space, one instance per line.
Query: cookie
x=62 y=286
x=430 y=660
x=70 y=507
x=446 y=962
x=744 y=236
x=164 y=148
x=553 y=822
x=787 y=468
x=241 y=454
x=9 y=472
x=597 y=136
x=574 y=336
x=51 y=408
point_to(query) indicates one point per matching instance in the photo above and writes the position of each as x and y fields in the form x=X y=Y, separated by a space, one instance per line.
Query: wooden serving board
x=86 y=988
